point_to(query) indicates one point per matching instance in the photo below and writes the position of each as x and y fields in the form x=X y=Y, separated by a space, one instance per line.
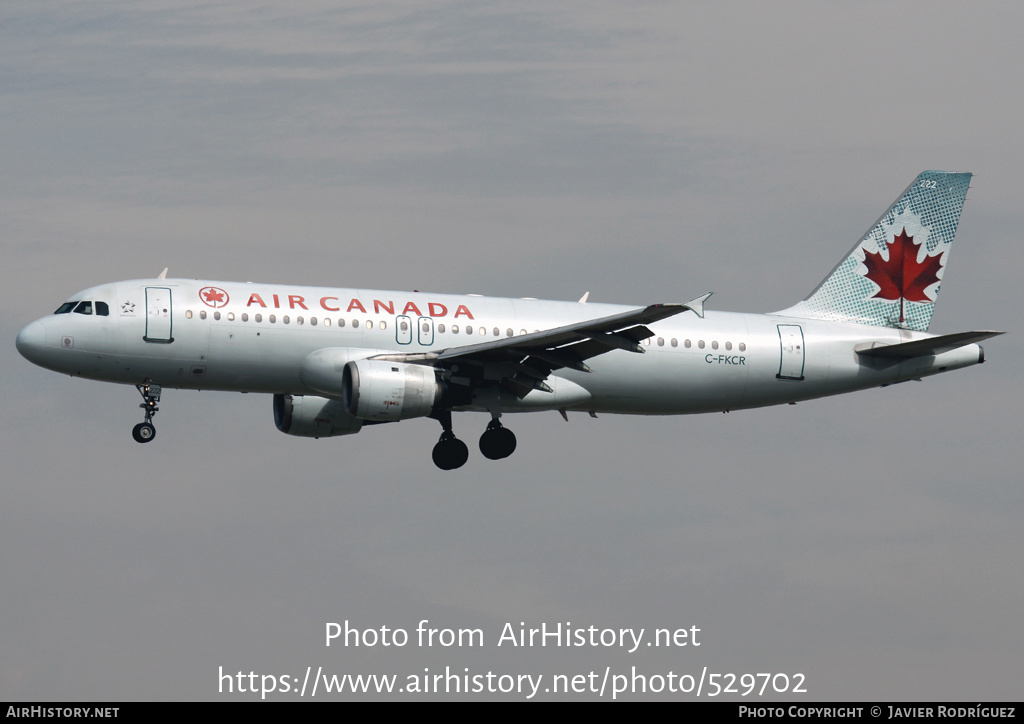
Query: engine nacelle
x=323 y=369
x=385 y=391
x=312 y=416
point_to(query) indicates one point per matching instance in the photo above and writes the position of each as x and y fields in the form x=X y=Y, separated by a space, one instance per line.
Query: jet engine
x=384 y=391
x=312 y=416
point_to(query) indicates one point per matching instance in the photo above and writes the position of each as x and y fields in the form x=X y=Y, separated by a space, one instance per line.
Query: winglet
x=163 y=274
x=697 y=305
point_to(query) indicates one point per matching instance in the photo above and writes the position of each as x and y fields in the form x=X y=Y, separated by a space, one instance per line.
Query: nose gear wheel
x=145 y=431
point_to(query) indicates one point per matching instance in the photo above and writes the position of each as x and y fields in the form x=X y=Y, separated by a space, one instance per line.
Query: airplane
x=337 y=359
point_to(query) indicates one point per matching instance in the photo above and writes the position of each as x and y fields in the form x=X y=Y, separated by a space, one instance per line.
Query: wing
x=522 y=363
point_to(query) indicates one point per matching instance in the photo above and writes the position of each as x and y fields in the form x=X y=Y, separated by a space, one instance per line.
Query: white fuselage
x=255 y=338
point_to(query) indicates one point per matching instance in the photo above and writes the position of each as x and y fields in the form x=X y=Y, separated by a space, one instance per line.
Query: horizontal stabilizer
x=922 y=347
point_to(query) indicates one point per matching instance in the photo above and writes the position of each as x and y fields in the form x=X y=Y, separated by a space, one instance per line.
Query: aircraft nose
x=31 y=341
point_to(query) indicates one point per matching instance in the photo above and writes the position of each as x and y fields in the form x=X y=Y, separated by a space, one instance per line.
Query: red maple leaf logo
x=213 y=297
x=902 y=276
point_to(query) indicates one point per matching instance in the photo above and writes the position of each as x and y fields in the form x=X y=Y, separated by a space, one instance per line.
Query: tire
x=497 y=443
x=450 y=454
x=143 y=432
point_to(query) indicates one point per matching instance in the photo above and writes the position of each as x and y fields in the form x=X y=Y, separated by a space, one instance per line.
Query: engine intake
x=385 y=391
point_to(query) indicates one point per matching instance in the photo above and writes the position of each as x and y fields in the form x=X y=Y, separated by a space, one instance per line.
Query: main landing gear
x=498 y=441
x=450 y=452
x=145 y=431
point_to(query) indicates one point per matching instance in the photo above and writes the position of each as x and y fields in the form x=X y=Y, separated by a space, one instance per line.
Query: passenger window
x=273 y=318
x=661 y=341
x=245 y=316
x=355 y=323
x=312 y=321
x=383 y=325
x=102 y=309
x=202 y=314
x=341 y=322
x=216 y=315
x=496 y=331
x=327 y=321
x=469 y=329
x=369 y=324
x=455 y=329
x=258 y=318
x=508 y=332
x=728 y=345
x=675 y=342
x=84 y=308
x=188 y=314
x=298 y=320
x=440 y=329
x=743 y=346
x=701 y=344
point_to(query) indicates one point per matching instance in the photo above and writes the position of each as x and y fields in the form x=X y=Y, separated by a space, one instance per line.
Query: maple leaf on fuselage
x=213 y=295
x=902 y=276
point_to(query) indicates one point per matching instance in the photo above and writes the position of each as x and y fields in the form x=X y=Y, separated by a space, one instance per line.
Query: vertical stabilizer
x=891 y=278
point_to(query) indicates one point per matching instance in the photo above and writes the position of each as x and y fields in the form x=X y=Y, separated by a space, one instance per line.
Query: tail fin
x=891 y=277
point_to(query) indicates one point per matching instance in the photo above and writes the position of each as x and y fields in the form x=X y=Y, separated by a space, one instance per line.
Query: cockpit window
x=101 y=309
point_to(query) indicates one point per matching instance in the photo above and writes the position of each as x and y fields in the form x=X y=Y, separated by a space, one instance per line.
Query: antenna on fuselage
x=163 y=274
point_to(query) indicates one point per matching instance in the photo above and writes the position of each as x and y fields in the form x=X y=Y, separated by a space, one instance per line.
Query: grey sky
x=645 y=152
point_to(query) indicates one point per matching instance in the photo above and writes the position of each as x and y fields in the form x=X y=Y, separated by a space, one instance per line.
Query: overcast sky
x=642 y=151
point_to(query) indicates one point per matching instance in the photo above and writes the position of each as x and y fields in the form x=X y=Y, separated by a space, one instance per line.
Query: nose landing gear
x=145 y=431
